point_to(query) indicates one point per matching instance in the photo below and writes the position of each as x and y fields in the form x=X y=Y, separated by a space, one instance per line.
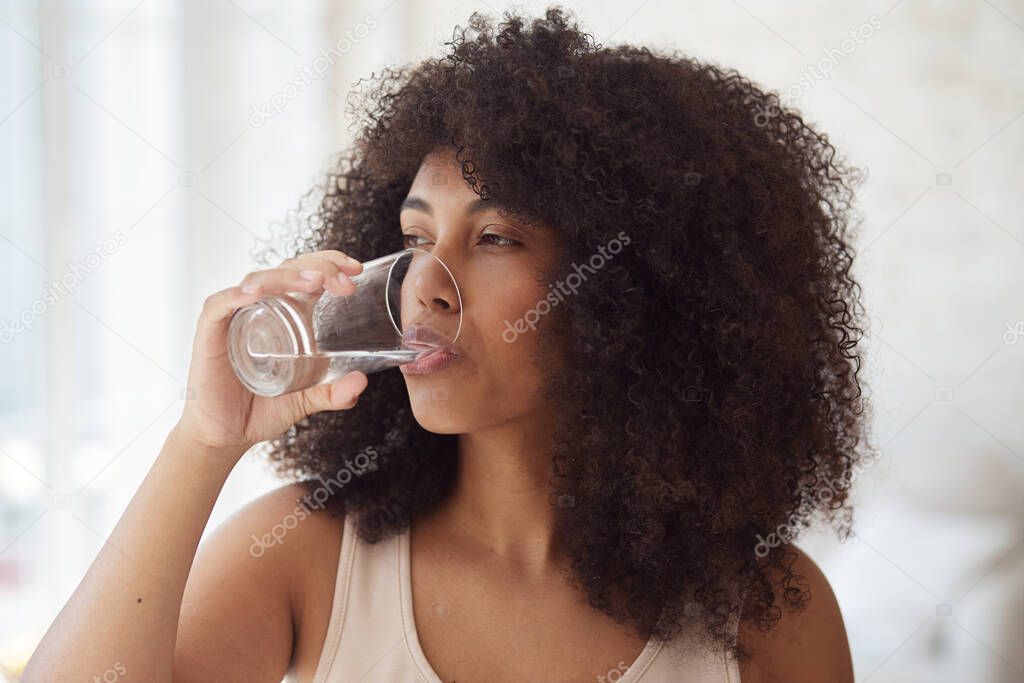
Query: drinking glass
x=290 y=341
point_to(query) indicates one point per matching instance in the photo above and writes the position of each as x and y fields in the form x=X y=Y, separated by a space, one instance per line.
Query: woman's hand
x=222 y=413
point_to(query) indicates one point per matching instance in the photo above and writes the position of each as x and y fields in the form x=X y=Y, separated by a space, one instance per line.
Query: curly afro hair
x=707 y=375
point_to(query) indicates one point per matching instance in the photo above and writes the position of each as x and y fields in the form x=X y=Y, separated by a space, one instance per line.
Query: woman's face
x=502 y=269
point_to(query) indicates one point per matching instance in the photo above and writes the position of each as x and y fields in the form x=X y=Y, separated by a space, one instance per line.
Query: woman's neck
x=501 y=498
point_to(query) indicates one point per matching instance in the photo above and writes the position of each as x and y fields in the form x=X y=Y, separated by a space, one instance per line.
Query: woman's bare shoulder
x=292 y=516
x=806 y=645
x=251 y=588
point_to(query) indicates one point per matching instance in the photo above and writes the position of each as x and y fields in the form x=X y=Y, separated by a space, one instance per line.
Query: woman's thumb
x=339 y=395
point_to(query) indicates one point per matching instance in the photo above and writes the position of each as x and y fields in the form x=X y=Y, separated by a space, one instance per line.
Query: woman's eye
x=496 y=240
x=406 y=238
x=502 y=241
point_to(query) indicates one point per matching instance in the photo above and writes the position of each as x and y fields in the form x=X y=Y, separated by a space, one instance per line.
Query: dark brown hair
x=707 y=374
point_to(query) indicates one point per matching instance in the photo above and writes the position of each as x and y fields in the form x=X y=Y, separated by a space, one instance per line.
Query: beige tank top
x=371 y=637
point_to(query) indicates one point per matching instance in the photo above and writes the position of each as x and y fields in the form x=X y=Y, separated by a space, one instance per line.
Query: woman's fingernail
x=343 y=279
x=251 y=289
x=310 y=274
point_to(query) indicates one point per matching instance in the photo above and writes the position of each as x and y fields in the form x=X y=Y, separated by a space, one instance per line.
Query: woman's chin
x=434 y=406
x=438 y=424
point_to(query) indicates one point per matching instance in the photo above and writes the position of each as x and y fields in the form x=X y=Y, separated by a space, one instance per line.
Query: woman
x=654 y=388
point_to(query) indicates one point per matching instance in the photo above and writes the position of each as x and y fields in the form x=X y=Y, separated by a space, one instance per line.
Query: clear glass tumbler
x=286 y=342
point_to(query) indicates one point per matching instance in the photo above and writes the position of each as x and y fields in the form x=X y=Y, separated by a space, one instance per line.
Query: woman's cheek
x=513 y=307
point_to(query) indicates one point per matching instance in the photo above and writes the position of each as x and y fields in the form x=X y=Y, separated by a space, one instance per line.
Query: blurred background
x=150 y=148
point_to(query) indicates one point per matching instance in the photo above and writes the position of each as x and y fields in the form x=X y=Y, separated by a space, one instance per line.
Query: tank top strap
x=366 y=638
x=340 y=603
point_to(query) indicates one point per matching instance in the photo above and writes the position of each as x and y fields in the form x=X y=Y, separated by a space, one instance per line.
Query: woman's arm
x=805 y=646
x=256 y=579
x=123 y=616
x=259 y=596
x=122 y=620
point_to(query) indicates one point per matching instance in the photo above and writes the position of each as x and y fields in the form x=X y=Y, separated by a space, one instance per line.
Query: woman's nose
x=433 y=284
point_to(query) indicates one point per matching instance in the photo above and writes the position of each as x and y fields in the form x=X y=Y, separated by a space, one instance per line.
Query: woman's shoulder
x=299 y=537
x=293 y=512
x=808 y=643
x=284 y=540
x=261 y=578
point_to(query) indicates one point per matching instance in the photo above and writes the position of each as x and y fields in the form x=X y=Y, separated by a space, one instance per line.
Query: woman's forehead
x=441 y=170
x=439 y=186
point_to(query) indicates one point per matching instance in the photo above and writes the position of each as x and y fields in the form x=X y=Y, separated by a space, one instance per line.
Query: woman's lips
x=431 y=360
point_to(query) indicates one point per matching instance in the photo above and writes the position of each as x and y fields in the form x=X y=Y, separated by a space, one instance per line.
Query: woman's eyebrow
x=475 y=206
